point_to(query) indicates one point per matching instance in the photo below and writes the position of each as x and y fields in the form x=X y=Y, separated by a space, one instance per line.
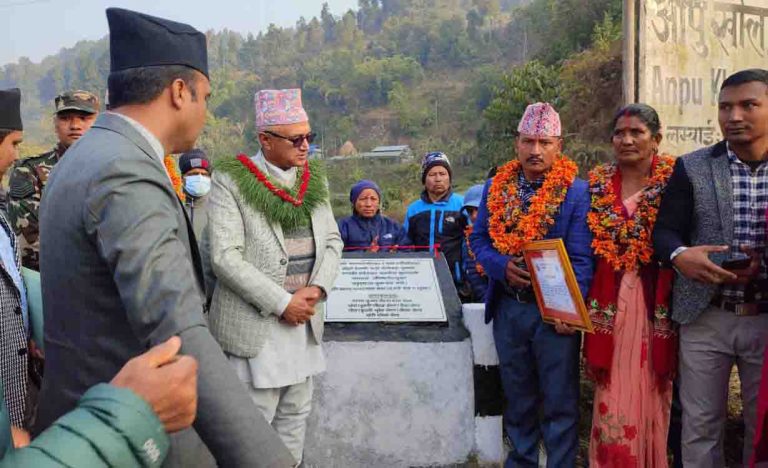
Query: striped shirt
x=300 y=244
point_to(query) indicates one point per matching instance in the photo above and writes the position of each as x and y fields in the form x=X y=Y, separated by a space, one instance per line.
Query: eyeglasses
x=296 y=141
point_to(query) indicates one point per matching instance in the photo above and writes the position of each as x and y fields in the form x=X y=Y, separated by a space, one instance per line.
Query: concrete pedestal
x=385 y=404
x=395 y=395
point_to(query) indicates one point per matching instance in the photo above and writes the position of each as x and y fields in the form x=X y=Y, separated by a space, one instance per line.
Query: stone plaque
x=386 y=290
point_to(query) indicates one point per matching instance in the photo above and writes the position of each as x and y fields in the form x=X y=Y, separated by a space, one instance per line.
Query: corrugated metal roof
x=397 y=148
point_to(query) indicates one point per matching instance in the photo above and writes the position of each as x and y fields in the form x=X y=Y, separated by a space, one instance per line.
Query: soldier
x=75 y=113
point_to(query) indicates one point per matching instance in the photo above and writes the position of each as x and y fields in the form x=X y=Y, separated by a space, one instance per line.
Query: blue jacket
x=478 y=282
x=357 y=231
x=441 y=222
x=570 y=225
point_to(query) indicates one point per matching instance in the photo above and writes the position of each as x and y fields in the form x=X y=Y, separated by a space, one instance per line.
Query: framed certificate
x=557 y=292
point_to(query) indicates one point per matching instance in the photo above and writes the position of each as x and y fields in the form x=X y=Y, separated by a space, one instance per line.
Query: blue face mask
x=197 y=185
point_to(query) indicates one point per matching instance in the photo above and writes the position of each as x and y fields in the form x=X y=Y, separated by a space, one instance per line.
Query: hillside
x=450 y=75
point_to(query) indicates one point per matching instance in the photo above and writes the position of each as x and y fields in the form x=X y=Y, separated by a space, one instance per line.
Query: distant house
x=397 y=153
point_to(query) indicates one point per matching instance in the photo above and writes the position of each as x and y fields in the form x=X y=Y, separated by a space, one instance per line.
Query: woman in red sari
x=632 y=354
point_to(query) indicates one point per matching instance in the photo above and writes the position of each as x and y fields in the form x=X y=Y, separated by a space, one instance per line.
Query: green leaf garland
x=275 y=209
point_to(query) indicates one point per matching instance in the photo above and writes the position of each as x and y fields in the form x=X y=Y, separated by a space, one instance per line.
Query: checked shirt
x=750 y=202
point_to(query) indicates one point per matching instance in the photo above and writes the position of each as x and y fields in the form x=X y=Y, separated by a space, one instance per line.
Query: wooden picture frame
x=554 y=283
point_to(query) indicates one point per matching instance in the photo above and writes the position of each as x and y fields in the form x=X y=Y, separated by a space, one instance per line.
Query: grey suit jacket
x=696 y=209
x=120 y=273
x=250 y=260
x=13 y=337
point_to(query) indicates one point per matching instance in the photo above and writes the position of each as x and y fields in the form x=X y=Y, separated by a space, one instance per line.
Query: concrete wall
x=393 y=404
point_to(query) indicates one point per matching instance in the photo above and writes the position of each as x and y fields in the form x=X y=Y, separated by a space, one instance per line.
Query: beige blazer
x=250 y=260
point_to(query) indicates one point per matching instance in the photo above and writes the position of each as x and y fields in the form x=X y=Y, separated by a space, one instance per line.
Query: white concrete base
x=388 y=404
x=483 y=346
x=488 y=439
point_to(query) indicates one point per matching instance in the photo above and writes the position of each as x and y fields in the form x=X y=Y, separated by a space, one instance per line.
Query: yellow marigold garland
x=625 y=243
x=175 y=175
x=508 y=225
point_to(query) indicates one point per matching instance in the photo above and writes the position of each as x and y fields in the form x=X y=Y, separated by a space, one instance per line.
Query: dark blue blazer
x=570 y=225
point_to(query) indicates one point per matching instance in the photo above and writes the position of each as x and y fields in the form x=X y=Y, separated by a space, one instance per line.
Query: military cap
x=10 y=109
x=78 y=101
x=138 y=40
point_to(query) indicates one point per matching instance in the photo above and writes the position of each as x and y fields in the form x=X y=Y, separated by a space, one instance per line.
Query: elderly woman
x=367 y=229
x=631 y=355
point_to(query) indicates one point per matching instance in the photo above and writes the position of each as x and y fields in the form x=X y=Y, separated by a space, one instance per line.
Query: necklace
x=625 y=242
x=509 y=225
x=298 y=200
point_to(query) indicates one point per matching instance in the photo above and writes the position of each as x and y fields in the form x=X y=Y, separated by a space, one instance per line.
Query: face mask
x=197 y=185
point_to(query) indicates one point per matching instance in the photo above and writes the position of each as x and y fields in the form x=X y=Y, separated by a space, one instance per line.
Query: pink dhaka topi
x=540 y=119
x=279 y=107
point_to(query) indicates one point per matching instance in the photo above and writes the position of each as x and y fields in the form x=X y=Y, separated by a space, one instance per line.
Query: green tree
x=530 y=83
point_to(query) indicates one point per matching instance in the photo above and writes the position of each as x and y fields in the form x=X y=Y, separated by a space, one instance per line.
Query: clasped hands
x=302 y=305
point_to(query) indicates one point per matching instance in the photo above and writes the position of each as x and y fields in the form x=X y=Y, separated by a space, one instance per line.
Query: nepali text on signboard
x=386 y=290
x=687 y=49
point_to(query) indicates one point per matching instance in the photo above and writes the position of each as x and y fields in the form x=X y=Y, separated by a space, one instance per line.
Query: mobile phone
x=737 y=262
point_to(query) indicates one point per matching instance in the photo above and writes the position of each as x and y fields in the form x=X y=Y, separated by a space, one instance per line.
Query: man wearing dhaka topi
x=275 y=250
x=537 y=196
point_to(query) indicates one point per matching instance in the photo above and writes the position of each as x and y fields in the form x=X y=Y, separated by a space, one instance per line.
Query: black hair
x=746 y=76
x=4 y=132
x=644 y=112
x=145 y=84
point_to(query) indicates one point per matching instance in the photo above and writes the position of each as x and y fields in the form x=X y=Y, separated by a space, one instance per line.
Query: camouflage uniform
x=29 y=177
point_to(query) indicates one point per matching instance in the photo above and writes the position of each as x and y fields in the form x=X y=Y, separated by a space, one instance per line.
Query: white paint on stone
x=488 y=437
x=483 y=346
x=387 y=404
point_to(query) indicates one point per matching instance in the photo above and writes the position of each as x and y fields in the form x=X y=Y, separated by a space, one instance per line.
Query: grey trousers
x=709 y=347
x=287 y=409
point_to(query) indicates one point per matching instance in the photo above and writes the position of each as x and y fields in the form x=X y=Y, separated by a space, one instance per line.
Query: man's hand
x=20 y=437
x=302 y=305
x=516 y=276
x=166 y=380
x=694 y=263
x=746 y=275
x=35 y=351
x=563 y=328
x=374 y=245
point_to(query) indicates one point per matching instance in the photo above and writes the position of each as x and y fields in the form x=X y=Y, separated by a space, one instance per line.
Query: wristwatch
x=677 y=252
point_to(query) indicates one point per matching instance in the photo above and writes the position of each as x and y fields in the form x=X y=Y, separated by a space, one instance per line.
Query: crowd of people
x=195 y=288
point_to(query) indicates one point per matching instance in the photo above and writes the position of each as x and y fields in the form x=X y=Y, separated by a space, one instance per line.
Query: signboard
x=386 y=290
x=687 y=49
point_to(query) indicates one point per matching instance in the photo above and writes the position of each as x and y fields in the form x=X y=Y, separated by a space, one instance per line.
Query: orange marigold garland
x=175 y=175
x=509 y=226
x=478 y=268
x=625 y=243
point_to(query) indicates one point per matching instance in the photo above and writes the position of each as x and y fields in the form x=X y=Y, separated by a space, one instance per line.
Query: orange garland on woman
x=509 y=226
x=173 y=172
x=625 y=243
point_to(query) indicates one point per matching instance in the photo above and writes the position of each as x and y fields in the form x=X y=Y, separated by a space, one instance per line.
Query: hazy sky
x=37 y=28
